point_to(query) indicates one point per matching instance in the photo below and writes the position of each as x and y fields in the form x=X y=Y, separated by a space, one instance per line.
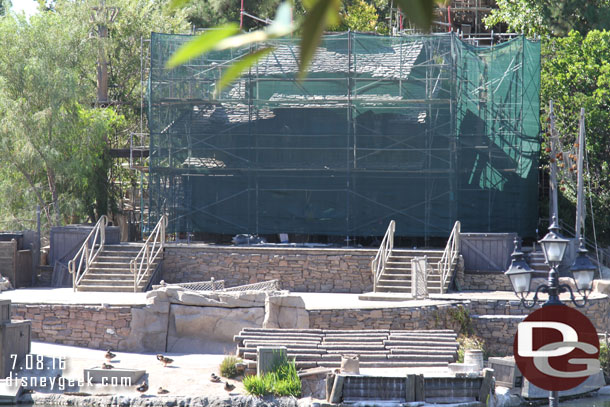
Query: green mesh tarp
x=425 y=130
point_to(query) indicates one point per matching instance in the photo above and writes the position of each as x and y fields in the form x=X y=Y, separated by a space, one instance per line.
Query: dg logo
x=556 y=348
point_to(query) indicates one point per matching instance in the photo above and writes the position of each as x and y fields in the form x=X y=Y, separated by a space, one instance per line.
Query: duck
x=229 y=386
x=162 y=391
x=109 y=355
x=107 y=366
x=165 y=360
x=142 y=388
x=214 y=378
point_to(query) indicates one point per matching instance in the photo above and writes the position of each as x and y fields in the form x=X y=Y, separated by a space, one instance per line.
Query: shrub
x=228 y=366
x=257 y=385
x=467 y=343
x=282 y=381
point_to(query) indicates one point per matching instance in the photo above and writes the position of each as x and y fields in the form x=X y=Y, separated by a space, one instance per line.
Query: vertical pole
x=241 y=15
x=553 y=210
x=580 y=204
x=553 y=399
x=36 y=249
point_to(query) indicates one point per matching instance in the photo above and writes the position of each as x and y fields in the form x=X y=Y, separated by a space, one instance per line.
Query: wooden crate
x=506 y=372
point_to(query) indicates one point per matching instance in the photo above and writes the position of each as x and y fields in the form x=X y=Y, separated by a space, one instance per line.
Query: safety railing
x=153 y=247
x=384 y=252
x=79 y=265
x=450 y=255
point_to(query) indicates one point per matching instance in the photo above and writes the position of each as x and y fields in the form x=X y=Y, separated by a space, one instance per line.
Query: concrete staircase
x=376 y=348
x=536 y=261
x=110 y=271
x=396 y=277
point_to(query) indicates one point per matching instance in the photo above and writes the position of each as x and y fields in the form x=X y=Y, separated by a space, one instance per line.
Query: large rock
x=148 y=328
x=286 y=311
x=601 y=286
x=209 y=329
x=215 y=322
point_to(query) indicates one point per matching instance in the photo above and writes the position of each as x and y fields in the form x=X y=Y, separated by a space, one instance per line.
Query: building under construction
x=422 y=129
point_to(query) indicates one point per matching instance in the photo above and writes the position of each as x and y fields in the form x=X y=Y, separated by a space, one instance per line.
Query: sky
x=27 y=6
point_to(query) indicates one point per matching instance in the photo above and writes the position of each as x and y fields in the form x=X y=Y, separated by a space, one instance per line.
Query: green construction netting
x=425 y=130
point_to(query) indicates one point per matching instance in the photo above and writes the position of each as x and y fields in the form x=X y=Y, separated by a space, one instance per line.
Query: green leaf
x=315 y=21
x=201 y=44
x=419 y=12
x=174 y=4
x=238 y=67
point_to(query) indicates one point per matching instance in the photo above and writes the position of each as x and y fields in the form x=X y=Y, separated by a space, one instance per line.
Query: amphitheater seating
x=376 y=348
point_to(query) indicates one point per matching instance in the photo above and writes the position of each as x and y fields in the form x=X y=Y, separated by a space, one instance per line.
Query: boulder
x=601 y=286
x=216 y=323
x=286 y=311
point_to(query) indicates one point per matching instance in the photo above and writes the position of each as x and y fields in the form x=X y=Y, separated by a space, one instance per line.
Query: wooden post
x=337 y=394
x=420 y=388
x=410 y=388
x=553 y=210
x=486 y=385
x=580 y=206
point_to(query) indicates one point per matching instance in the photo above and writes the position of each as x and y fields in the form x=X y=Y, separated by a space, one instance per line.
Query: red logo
x=556 y=348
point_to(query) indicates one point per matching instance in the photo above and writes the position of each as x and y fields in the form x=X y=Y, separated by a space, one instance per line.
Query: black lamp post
x=554 y=247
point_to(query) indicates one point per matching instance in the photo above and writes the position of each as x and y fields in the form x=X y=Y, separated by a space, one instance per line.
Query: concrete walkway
x=313 y=301
x=69 y=296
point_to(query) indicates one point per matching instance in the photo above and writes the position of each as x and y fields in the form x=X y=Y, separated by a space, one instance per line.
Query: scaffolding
x=422 y=129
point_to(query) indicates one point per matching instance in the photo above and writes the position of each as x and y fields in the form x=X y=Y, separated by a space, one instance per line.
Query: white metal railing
x=87 y=255
x=384 y=252
x=141 y=265
x=450 y=255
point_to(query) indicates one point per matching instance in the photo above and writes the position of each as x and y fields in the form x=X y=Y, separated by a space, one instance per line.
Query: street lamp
x=554 y=247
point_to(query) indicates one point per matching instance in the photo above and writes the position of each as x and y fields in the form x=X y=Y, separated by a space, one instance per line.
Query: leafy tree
x=360 y=15
x=55 y=143
x=551 y=17
x=576 y=73
x=4 y=6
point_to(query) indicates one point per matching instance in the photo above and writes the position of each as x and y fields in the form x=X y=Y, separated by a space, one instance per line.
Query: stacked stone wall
x=94 y=327
x=484 y=281
x=297 y=269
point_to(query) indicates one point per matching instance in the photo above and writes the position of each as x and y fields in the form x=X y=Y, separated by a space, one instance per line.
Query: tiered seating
x=376 y=348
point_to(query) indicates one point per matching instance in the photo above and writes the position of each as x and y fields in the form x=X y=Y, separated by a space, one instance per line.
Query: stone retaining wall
x=78 y=325
x=495 y=321
x=297 y=269
x=426 y=317
x=484 y=282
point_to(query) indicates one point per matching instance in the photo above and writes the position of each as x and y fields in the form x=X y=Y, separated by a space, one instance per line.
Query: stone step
x=400 y=344
x=109 y=283
x=394 y=289
x=359 y=339
x=287 y=335
x=295 y=330
x=376 y=357
x=352 y=347
x=91 y=275
x=112 y=264
x=432 y=340
x=407 y=336
x=385 y=364
x=287 y=338
x=291 y=345
x=102 y=288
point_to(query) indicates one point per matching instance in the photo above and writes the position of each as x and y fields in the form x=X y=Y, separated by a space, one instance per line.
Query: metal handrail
x=86 y=256
x=141 y=264
x=450 y=255
x=384 y=252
